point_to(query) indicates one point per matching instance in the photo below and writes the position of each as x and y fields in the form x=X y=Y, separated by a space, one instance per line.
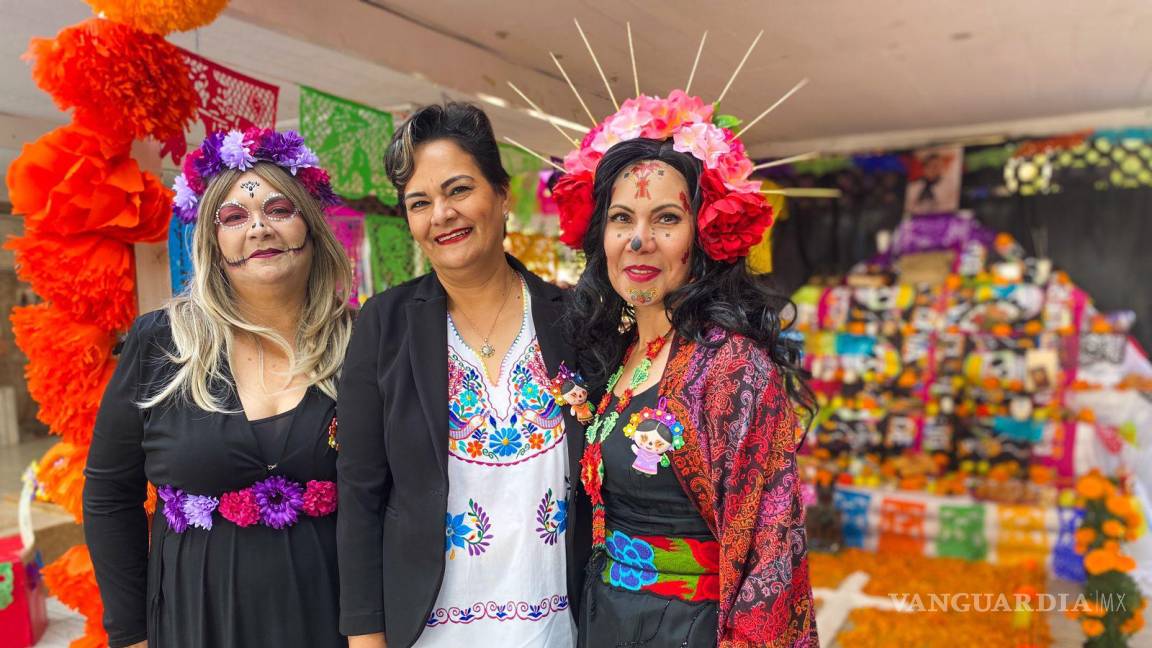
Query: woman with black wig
x=690 y=462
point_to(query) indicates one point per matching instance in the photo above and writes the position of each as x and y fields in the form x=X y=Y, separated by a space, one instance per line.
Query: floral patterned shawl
x=738 y=465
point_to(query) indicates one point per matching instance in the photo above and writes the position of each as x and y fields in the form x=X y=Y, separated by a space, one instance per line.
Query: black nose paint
x=636 y=244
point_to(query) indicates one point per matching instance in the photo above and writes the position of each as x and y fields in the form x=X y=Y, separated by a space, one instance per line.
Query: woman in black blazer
x=457 y=461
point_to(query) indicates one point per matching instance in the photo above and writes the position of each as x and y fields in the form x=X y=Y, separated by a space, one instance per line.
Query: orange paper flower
x=72 y=580
x=61 y=475
x=90 y=277
x=73 y=181
x=69 y=363
x=120 y=81
x=160 y=16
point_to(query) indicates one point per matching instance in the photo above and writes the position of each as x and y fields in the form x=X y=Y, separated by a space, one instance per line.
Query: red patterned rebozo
x=738 y=465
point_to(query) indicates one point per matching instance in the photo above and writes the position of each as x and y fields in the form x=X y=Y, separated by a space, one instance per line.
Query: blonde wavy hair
x=206 y=318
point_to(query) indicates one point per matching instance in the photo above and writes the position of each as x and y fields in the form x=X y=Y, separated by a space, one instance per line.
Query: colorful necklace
x=592 y=465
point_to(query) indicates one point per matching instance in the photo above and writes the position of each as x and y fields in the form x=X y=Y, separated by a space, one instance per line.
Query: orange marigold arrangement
x=1109 y=519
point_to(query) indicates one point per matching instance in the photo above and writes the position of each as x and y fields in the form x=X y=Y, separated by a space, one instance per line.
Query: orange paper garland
x=120 y=81
x=73 y=181
x=69 y=364
x=92 y=278
x=160 y=16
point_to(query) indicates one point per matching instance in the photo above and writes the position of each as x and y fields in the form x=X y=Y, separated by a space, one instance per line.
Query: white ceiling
x=877 y=68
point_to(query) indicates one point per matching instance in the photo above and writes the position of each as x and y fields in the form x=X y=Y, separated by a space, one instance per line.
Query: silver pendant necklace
x=486 y=349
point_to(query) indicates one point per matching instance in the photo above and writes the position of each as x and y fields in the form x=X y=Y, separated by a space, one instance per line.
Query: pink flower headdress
x=733 y=212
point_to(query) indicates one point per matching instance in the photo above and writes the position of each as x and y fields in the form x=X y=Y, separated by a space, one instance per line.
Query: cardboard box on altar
x=23 y=608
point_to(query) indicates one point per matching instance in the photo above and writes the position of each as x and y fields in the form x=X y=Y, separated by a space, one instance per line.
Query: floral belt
x=683 y=568
x=275 y=502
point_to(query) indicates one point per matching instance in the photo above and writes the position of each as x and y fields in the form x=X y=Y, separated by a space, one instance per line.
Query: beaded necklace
x=592 y=464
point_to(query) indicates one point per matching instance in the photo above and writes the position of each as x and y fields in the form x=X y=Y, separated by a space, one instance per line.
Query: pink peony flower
x=319 y=498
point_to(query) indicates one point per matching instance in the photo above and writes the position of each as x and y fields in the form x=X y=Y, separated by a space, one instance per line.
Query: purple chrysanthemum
x=236 y=151
x=185 y=198
x=303 y=159
x=279 y=500
x=174 y=499
x=208 y=164
x=279 y=147
x=198 y=510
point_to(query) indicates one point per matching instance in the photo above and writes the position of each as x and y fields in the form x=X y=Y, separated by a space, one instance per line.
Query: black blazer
x=393 y=462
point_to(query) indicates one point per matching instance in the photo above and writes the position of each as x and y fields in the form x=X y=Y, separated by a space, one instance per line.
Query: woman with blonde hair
x=225 y=401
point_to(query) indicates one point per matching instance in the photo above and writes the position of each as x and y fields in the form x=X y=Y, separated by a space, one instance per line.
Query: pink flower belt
x=275 y=502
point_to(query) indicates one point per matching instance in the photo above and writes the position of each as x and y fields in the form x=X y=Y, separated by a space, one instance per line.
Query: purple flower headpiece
x=242 y=150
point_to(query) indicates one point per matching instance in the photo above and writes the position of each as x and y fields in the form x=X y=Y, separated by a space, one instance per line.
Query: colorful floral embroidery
x=684 y=568
x=481 y=433
x=632 y=566
x=551 y=518
x=471 y=530
x=508 y=611
x=276 y=502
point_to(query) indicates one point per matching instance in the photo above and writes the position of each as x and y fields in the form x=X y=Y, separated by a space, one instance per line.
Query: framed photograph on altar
x=934 y=180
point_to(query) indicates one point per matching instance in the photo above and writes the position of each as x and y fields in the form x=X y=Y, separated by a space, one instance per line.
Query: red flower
x=536 y=441
x=240 y=508
x=475 y=448
x=319 y=498
x=730 y=223
x=573 y=194
x=590 y=472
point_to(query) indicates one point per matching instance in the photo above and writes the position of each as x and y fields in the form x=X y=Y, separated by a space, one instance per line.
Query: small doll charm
x=653 y=432
x=568 y=389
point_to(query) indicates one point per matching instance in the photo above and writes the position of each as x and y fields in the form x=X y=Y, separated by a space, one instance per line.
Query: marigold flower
x=1092 y=627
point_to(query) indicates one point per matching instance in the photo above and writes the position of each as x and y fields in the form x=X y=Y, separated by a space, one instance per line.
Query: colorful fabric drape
x=738 y=465
x=350 y=139
x=392 y=250
x=228 y=100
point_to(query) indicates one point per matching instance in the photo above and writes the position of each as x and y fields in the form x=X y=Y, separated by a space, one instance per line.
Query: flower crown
x=242 y=150
x=733 y=213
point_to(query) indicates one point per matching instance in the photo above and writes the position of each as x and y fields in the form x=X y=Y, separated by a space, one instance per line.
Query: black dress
x=228 y=586
x=638 y=504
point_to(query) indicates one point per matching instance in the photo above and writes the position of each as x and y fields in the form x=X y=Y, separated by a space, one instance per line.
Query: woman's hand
x=140 y=644
x=368 y=641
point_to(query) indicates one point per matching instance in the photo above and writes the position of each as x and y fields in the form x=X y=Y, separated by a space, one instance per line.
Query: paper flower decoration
x=72 y=580
x=160 y=16
x=121 y=82
x=61 y=475
x=69 y=364
x=90 y=277
x=72 y=181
